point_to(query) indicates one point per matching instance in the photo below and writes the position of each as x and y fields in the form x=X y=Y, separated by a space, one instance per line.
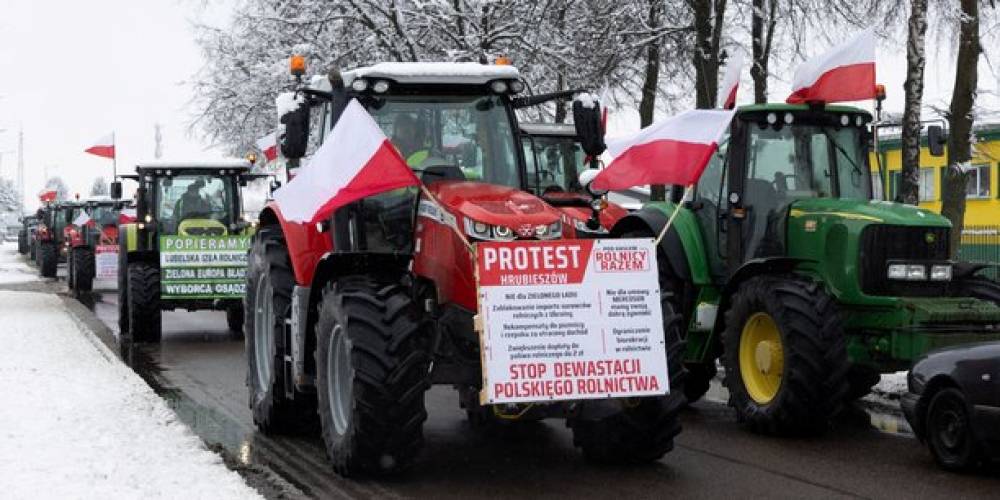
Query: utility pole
x=158 y=152
x=20 y=169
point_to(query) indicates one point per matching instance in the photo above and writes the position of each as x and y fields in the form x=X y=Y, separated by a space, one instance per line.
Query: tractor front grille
x=881 y=244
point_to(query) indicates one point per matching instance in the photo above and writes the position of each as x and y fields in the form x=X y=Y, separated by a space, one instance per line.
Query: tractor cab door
x=709 y=205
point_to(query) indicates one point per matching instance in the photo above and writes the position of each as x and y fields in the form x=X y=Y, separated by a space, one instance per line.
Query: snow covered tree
x=100 y=187
x=8 y=196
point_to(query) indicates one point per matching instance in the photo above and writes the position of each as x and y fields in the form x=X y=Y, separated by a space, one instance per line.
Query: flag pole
x=114 y=157
x=677 y=210
x=465 y=240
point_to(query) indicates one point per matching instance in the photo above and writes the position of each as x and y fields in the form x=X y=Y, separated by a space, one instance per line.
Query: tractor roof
x=780 y=106
x=549 y=129
x=193 y=165
x=434 y=72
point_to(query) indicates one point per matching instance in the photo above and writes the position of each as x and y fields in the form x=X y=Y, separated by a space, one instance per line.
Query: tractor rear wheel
x=143 y=299
x=785 y=355
x=642 y=429
x=22 y=244
x=82 y=269
x=48 y=259
x=372 y=365
x=267 y=300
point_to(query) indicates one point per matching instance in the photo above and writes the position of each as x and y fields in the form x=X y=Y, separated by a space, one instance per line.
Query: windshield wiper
x=841 y=150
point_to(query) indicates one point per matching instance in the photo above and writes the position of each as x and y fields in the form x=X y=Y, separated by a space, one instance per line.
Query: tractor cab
x=554 y=160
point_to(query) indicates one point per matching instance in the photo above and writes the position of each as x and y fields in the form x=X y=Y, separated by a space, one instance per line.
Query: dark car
x=953 y=404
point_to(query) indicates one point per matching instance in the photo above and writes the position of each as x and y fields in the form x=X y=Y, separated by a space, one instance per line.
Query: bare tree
x=764 y=20
x=99 y=187
x=963 y=100
x=709 y=21
x=909 y=189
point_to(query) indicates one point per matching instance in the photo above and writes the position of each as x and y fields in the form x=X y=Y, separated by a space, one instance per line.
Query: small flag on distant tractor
x=355 y=161
x=731 y=81
x=127 y=216
x=104 y=147
x=82 y=219
x=268 y=146
x=47 y=195
x=845 y=73
x=671 y=151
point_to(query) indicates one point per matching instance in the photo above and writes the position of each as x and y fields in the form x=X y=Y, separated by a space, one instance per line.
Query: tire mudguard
x=682 y=244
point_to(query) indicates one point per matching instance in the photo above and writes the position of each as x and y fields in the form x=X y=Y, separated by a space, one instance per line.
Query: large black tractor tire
x=48 y=260
x=372 y=360
x=143 y=298
x=785 y=356
x=69 y=271
x=123 y=324
x=22 y=244
x=32 y=252
x=266 y=304
x=699 y=379
x=234 y=320
x=83 y=271
x=641 y=430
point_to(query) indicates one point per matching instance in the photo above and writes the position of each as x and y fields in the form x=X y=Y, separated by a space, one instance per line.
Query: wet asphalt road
x=200 y=371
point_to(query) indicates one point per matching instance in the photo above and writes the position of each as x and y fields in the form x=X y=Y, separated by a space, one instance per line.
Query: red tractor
x=99 y=228
x=356 y=317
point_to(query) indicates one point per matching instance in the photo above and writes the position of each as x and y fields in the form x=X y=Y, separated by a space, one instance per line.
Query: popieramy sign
x=570 y=319
x=203 y=267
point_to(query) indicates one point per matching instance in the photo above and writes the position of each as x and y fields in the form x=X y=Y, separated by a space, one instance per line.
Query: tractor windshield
x=553 y=164
x=194 y=204
x=103 y=214
x=470 y=133
x=808 y=161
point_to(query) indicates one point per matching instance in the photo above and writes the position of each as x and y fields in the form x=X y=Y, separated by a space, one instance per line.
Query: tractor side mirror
x=116 y=190
x=935 y=140
x=589 y=129
x=295 y=139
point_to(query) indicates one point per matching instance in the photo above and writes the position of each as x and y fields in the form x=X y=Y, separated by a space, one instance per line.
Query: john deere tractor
x=788 y=269
x=187 y=247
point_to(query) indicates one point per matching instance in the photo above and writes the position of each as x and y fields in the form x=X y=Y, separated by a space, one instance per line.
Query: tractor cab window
x=555 y=164
x=103 y=215
x=709 y=200
x=194 y=205
x=466 y=137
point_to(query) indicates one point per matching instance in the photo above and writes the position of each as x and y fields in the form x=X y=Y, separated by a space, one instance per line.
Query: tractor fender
x=682 y=244
x=306 y=244
x=750 y=269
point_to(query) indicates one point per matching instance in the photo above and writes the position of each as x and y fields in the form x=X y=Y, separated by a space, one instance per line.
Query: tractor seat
x=439 y=173
x=201 y=227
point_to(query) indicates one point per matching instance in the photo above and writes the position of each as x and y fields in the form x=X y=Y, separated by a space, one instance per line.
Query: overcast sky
x=73 y=71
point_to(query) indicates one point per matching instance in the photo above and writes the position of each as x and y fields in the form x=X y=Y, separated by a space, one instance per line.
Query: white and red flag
x=82 y=219
x=104 y=147
x=731 y=81
x=268 y=146
x=47 y=195
x=671 y=151
x=845 y=73
x=355 y=161
x=127 y=216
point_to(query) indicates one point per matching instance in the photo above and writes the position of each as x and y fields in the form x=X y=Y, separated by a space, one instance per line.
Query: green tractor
x=790 y=271
x=186 y=248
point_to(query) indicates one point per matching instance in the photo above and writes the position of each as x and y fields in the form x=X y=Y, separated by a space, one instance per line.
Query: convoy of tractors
x=783 y=267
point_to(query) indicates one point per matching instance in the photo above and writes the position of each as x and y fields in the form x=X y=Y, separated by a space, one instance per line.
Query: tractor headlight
x=549 y=231
x=916 y=272
x=897 y=272
x=910 y=272
x=941 y=272
x=499 y=86
x=381 y=87
x=359 y=85
x=484 y=231
x=582 y=227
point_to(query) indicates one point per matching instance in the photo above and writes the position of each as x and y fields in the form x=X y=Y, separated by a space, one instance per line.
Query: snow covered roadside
x=13 y=269
x=77 y=423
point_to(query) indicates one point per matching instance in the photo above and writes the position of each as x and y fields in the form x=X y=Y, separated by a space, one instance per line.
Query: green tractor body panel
x=689 y=232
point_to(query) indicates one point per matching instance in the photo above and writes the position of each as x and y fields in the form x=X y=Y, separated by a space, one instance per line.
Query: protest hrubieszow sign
x=570 y=319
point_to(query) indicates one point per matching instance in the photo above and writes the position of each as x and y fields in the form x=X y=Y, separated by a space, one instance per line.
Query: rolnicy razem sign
x=203 y=267
x=570 y=319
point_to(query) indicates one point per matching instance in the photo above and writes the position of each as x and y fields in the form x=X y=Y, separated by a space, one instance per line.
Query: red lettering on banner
x=621 y=260
x=523 y=263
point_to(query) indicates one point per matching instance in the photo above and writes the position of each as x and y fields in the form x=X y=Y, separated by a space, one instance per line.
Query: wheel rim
x=762 y=357
x=339 y=384
x=263 y=320
x=949 y=423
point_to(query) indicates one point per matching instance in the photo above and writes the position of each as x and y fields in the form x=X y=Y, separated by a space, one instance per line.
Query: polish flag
x=845 y=73
x=355 y=161
x=671 y=151
x=105 y=146
x=268 y=145
x=731 y=82
x=47 y=195
x=82 y=219
x=127 y=216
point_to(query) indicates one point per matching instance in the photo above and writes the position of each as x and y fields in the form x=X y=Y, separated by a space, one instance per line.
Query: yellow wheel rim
x=762 y=357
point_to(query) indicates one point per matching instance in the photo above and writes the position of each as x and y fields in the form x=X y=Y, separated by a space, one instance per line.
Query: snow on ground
x=77 y=423
x=13 y=268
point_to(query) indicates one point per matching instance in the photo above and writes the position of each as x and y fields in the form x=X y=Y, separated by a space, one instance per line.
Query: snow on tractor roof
x=553 y=129
x=241 y=164
x=434 y=72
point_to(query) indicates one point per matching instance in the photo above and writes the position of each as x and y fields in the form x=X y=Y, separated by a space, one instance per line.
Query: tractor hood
x=876 y=212
x=493 y=204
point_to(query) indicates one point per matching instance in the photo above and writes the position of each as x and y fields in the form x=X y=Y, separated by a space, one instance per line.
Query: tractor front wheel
x=48 y=259
x=785 y=356
x=82 y=269
x=641 y=429
x=143 y=298
x=371 y=375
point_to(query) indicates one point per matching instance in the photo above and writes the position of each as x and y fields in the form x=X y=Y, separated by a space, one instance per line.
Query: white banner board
x=570 y=320
x=106 y=263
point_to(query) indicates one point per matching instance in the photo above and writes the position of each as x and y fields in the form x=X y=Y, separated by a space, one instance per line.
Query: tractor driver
x=191 y=203
x=409 y=136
